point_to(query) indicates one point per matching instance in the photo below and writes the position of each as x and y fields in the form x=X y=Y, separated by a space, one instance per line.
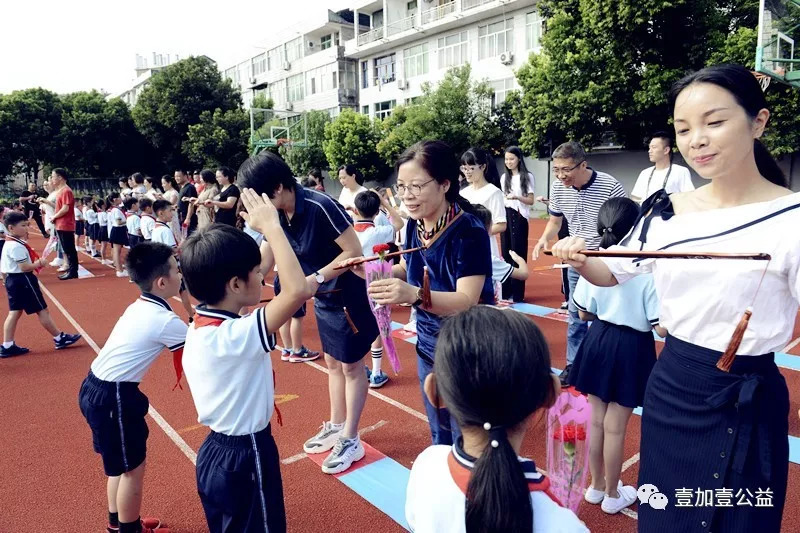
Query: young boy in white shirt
x=112 y=386
x=19 y=263
x=162 y=232
x=367 y=207
x=229 y=370
x=147 y=221
x=133 y=221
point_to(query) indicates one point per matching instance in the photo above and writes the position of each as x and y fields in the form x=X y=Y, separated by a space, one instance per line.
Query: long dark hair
x=741 y=83
x=154 y=183
x=439 y=161
x=524 y=174
x=500 y=379
x=171 y=180
x=479 y=156
x=615 y=219
x=352 y=170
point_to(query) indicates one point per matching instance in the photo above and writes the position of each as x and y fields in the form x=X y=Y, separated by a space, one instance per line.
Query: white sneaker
x=411 y=326
x=107 y=262
x=323 y=441
x=344 y=454
x=63 y=268
x=56 y=262
x=627 y=496
x=595 y=496
x=123 y=274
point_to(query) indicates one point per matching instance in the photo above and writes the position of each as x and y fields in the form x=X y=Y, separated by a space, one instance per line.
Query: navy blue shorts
x=115 y=411
x=239 y=482
x=133 y=240
x=24 y=293
x=300 y=313
x=119 y=235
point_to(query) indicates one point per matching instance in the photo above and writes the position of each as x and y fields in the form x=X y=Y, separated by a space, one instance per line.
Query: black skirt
x=613 y=363
x=724 y=433
x=119 y=235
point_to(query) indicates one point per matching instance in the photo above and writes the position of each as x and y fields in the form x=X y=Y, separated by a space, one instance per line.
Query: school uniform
x=371 y=233
x=702 y=427
x=437 y=486
x=22 y=288
x=229 y=371
x=133 y=223
x=110 y=398
x=460 y=250
x=147 y=224
x=162 y=232
x=92 y=222
x=3 y=232
x=79 y=223
x=102 y=226
x=117 y=230
x=317 y=222
x=617 y=355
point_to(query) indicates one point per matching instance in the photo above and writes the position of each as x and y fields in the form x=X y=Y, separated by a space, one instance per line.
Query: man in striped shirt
x=576 y=194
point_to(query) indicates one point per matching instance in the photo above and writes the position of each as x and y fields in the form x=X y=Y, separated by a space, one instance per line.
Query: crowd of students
x=481 y=392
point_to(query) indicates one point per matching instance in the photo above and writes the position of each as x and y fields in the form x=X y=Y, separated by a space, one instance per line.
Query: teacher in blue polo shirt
x=457 y=258
x=575 y=195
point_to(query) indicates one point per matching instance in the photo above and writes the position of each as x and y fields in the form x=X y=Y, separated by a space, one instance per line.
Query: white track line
x=361 y=432
x=791 y=345
x=630 y=462
x=163 y=424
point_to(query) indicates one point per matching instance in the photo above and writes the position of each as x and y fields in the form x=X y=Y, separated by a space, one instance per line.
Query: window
x=501 y=89
x=384 y=109
x=335 y=80
x=274 y=58
x=294 y=88
x=411 y=6
x=384 y=69
x=259 y=64
x=495 y=38
x=415 y=60
x=453 y=50
x=533 y=31
x=365 y=110
x=377 y=19
x=364 y=74
x=325 y=42
x=413 y=100
x=294 y=49
x=313 y=86
x=336 y=43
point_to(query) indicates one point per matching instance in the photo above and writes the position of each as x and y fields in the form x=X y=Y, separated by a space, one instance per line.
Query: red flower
x=570 y=433
x=380 y=248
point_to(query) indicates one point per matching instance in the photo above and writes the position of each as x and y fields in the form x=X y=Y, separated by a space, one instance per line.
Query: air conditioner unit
x=289 y=106
x=286 y=65
x=253 y=81
x=402 y=84
x=506 y=58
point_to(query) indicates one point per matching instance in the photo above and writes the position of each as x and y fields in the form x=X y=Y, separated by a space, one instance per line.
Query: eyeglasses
x=566 y=170
x=414 y=189
x=468 y=169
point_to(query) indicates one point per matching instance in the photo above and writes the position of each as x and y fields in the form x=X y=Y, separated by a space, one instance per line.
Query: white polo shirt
x=675 y=178
x=371 y=233
x=147 y=225
x=14 y=255
x=134 y=224
x=227 y=365
x=146 y=327
x=163 y=233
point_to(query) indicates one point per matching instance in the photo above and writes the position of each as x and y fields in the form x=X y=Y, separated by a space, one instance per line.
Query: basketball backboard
x=274 y=127
x=777 y=53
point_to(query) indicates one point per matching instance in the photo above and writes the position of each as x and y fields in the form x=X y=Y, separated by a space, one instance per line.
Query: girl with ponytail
x=495 y=386
x=614 y=360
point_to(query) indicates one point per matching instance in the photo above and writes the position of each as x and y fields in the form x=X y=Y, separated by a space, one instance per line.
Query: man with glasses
x=575 y=195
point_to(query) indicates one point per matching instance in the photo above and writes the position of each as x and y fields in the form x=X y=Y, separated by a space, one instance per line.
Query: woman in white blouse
x=517 y=186
x=171 y=194
x=703 y=427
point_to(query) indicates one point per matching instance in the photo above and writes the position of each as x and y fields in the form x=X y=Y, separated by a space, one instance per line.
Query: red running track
x=52 y=476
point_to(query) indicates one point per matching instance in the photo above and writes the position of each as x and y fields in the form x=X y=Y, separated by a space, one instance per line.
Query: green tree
x=304 y=158
x=219 y=138
x=176 y=99
x=352 y=139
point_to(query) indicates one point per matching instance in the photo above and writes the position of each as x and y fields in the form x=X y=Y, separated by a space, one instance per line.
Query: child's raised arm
x=394 y=216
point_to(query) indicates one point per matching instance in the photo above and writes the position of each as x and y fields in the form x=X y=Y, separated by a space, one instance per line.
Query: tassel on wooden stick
x=426 y=289
x=350 y=322
x=726 y=361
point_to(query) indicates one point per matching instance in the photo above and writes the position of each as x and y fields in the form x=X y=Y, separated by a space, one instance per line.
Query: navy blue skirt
x=723 y=434
x=613 y=363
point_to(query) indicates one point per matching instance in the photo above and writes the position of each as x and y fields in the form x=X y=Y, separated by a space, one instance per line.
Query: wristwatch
x=319 y=277
x=418 y=301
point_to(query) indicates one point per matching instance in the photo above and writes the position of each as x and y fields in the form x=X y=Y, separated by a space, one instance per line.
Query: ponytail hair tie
x=608 y=230
x=496 y=433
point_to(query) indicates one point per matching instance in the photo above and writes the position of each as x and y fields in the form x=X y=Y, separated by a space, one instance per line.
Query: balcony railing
x=438 y=13
x=470 y=4
x=370 y=36
x=400 y=25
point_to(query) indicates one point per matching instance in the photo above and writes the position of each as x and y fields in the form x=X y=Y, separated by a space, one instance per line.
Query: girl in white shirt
x=495 y=386
x=483 y=189
x=703 y=426
x=517 y=186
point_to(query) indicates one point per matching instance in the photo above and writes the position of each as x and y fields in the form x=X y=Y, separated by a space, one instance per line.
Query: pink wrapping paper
x=568 y=425
x=374 y=271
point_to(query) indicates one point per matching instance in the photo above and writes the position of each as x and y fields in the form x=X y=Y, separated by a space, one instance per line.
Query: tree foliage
x=176 y=98
x=352 y=139
x=30 y=123
x=304 y=158
x=219 y=138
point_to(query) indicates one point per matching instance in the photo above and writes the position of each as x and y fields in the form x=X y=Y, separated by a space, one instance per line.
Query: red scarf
x=31 y=251
x=363 y=225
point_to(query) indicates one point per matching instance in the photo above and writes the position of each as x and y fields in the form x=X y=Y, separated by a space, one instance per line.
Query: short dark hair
x=208 y=177
x=368 y=203
x=112 y=198
x=213 y=256
x=308 y=183
x=138 y=178
x=483 y=214
x=145 y=202
x=13 y=218
x=148 y=261
x=352 y=170
x=129 y=202
x=160 y=205
x=264 y=173
x=316 y=173
x=228 y=173
x=664 y=136
x=61 y=172
x=570 y=150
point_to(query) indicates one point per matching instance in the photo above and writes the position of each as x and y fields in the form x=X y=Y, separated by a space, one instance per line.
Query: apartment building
x=406 y=43
x=145 y=69
x=304 y=67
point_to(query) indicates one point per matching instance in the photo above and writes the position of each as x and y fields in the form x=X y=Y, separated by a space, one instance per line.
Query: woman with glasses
x=457 y=258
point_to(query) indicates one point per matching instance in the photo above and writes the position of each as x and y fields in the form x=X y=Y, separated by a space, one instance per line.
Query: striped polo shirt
x=580 y=206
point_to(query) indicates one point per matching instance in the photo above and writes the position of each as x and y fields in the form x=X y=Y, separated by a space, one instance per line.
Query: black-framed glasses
x=415 y=189
x=566 y=170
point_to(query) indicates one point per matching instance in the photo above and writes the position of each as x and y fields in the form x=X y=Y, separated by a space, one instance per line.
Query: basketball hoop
x=763 y=80
x=284 y=142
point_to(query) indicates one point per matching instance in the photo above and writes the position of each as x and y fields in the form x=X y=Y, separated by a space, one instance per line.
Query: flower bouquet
x=568 y=424
x=376 y=270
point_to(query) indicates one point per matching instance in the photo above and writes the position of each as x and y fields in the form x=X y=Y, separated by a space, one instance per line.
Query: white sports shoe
x=344 y=454
x=122 y=274
x=56 y=262
x=325 y=439
x=595 y=496
x=627 y=496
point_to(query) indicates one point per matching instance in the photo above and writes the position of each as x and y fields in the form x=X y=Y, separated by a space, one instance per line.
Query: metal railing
x=400 y=25
x=438 y=13
x=470 y=4
x=370 y=36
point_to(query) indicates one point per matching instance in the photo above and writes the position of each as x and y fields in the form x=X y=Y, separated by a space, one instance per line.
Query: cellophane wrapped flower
x=377 y=270
x=568 y=425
